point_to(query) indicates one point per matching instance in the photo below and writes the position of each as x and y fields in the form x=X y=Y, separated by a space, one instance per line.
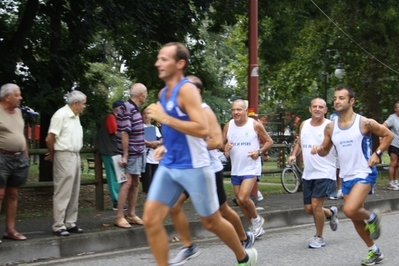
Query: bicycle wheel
x=289 y=180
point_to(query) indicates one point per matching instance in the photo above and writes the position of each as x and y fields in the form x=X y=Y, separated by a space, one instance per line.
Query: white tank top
x=354 y=150
x=215 y=162
x=316 y=167
x=244 y=140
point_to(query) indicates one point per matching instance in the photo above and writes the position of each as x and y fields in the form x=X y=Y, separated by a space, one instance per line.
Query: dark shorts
x=13 y=170
x=219 y=188
x=393 y=149
x=318 y=188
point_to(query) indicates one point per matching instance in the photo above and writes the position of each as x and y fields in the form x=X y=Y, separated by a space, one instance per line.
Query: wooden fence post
x=98 y=173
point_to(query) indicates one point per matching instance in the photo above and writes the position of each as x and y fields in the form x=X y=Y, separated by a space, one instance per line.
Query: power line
x=347 y=35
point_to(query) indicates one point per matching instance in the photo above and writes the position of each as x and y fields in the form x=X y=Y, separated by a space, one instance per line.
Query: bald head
x=197 y=82
x=137 y=88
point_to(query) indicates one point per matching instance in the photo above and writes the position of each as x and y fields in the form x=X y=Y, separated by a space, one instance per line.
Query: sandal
x=16 y=236
x=134 y=220
x=122 y=223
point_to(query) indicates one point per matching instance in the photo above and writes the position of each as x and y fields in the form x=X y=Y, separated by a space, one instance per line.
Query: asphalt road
x=280 y=247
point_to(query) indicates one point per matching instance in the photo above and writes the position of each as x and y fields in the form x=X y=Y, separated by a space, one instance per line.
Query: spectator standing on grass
x=185 y=161
x=351 y=133
x=151 y=164
x=64 y=141
x=393 y=124
x=241 y=139
x=214 y=142
x=14 y=166
x=319 y=173
x=107 y=147
x=130 y=139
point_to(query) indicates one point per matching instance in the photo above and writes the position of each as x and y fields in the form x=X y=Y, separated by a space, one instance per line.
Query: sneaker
x=260 y=196
x=317 y=242
x=393 y=186
x=115 y=207
x=185 y=254
x=334 y=218
x=374 y=226
x=340 y=195
x=257 y=227
x=333 y=196
x=252 y=257
x=373 y=257
x=249 y=243
x=234 y=200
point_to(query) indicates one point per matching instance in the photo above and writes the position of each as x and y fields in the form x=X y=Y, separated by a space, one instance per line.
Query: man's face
x=396 y=109
x=341 y=101
x=318 y=108
x=238 y=111
x=79 y=107
x=166 y=63
x=142 y=97
x=15 y=99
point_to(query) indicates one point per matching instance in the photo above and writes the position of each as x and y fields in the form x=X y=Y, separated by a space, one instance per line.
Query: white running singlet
x=354 y=150
x=316 y=167
x=244 y=140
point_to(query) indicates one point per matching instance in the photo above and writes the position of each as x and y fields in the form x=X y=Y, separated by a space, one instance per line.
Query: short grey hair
x=136 y=89
x=75 y=96
x=7 y=89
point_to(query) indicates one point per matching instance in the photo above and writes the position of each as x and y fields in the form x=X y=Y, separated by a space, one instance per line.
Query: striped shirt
x=129 y=119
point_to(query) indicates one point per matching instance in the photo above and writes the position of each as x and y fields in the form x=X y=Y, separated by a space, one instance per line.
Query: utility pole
x=253 y=68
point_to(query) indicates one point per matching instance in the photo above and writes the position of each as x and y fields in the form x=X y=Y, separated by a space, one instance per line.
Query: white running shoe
x=252 y=257
x=184 y=255
x=334 y=218
x=393 y=186
x=257 y=227
x=317 y=242
x=340 y=195
x=260 y=196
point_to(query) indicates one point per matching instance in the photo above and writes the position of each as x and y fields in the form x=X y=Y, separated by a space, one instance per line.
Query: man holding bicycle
x=319 y=172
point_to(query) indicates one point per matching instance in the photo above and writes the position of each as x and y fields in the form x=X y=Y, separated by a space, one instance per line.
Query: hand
x=227 y=149
x=159 y=153
x=48 y=157
x=291 y=159
x=123 y=162
x=156 y=112
x=253 y=154
x=374 y=159
x=315 y=149
x=265 y=157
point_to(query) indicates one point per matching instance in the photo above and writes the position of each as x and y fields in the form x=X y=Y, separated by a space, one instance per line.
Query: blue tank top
x=182 y=151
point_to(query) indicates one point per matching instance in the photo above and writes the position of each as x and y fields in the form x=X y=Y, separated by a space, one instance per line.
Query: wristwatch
x=379 y=153
x=260 y=153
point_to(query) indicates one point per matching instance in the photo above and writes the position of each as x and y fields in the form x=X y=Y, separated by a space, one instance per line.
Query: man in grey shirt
x=393 y=124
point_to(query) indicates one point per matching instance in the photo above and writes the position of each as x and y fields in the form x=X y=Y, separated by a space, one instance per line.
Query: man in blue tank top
x=185 y=161
x=351 y=136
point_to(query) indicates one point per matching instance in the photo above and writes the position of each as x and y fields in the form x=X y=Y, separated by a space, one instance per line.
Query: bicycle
x=291 y=178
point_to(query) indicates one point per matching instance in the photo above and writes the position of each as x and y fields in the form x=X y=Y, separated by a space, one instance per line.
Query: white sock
x=373 y=247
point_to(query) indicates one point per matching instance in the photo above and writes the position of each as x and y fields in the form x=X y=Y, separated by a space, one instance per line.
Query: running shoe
x=334 y=218
x=339 y=194
x=393 y=186
x=185 y=254
x=317 y=242
x=249 y=243
x=257 y=227
x=260 y=196
x=252 y=257
x=373 y=257
x=374 y=226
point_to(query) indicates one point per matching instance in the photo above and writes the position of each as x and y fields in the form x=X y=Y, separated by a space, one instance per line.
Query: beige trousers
x=66 y=175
